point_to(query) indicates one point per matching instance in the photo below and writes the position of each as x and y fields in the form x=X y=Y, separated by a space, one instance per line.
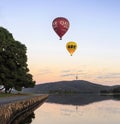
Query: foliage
x=63 y=92
x=14 y=70
x=116 y=90
x=113 y=91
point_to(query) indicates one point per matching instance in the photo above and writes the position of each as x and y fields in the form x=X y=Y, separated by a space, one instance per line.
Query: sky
x=94 y=26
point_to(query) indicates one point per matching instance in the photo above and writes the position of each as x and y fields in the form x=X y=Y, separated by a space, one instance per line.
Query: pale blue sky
x=94 y=25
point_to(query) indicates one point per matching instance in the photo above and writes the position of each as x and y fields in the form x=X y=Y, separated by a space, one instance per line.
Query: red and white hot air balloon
x=60 y=26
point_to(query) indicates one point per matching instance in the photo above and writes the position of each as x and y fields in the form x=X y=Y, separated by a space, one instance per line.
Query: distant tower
x=76 y=77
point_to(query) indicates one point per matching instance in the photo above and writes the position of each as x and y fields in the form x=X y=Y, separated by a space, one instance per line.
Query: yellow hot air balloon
x=71 y=47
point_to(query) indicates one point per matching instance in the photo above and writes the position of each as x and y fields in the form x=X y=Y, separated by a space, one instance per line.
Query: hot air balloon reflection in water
x=60 y=26
x=71 y=47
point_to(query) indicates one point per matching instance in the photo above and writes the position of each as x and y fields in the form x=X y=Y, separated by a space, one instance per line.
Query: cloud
x=67 y=75
x=73 y=72
x=65 y=71
x=109 y=75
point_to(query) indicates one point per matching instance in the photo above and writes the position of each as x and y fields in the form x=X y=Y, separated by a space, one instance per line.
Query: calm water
x=105 y=112
x=90 y=110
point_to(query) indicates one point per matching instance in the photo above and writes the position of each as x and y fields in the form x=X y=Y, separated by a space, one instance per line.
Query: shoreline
x=12 y=107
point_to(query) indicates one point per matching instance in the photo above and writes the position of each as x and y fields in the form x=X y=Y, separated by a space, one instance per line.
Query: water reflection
x=103 y=112
x=116 y=97
x=27 y=117
x=85 y=109
x=80 y=99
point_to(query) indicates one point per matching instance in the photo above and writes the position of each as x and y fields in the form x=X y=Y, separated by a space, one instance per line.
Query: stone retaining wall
x=9 y=112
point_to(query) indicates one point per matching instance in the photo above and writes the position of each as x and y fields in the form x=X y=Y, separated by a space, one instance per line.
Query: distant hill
x=76 y=86
x=87 y=92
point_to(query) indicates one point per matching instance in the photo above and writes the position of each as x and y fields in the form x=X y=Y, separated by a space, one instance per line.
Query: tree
x=14 y=71
x=116 y=89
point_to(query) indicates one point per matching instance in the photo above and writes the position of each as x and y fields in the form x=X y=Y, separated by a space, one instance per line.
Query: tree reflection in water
x=116 y=97
x=26 y=117
x=81 y=99
x=24 y=120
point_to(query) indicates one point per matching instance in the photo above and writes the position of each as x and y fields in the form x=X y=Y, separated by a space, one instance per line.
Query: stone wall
x=10 y=111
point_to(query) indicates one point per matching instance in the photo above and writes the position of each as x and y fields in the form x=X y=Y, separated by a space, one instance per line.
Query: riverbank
x=13 y=106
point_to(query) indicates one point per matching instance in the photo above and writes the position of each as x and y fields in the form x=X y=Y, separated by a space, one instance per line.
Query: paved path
x=11 y=99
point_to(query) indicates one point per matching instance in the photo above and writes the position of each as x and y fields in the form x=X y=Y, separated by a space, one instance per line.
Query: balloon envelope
x=71 y=47
x=60 y=26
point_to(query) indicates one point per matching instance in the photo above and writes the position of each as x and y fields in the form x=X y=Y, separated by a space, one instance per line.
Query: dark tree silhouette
x=14 y=72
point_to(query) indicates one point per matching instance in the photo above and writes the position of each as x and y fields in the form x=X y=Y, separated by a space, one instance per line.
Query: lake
x=77 y=109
